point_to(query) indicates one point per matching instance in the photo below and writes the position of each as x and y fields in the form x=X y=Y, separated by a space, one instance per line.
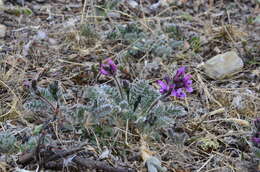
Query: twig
x=126 y=131
x=91 y=164
x=118 y=87
x=81 y=162
x=83 y=12
x=203 y=117
x=62 y=154
x=205 y=163
x=153 y=104
x=36 y=152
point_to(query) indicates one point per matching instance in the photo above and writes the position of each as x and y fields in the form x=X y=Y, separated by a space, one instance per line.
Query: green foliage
x=37 y=129
x=87 y=31
x=101 y=9
x=37 y=105
x=208 y=143
x=257 y=20
x=33 y=141
x=7 y=142
x=250 y=20
x=105 y=108
x=130 y=33
x=256 y=150
x=187 y=17
x=154 y=165
x=30 y=144
x=111 y=4
x=142 y=42
x=195 y=43
x=19 y=11
x=105 y=103
x=174 y=31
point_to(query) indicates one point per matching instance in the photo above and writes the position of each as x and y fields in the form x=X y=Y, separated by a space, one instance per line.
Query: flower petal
x=180 y=93
x=256 y=140
x=112 y=64
x=189 y=89
x=162 y=84
x=174 y=93
x=181 y=71
x=167 y=79
x=162 y=91
x=188 y=82
x=108 y=67
x=109 y=61
x=104 y=72
x=164 y=87
x=113 y=68
x=187 y=77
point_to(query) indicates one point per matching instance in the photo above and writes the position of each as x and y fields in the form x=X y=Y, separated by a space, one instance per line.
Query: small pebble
x=2 y=31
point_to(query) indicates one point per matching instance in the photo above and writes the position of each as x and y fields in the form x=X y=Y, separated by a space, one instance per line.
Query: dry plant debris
x=101 y=86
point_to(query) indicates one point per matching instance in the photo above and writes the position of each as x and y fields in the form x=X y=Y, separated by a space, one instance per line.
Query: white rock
x=41 y=35
x=155 y=6
x=113 y=14
x=1 y=4
x=223 y=65
x=132 y=3
x=2 y=30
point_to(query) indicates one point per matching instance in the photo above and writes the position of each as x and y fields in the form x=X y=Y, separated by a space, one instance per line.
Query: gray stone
x=114 y=15
x=1 y=4
x=2 y=30
x=132 y=3
x=223 y=65
x=257 y=20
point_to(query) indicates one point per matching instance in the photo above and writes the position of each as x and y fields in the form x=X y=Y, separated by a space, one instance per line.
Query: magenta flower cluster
x=177 y=85
x=108 y=68
x=256 y=136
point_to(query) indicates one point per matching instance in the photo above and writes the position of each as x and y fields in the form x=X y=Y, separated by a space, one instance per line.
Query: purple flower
x=166 y=86
x=108 y=68
x=183 y=81
x=178 y=93
x=176 y=85
x=180 y=72
x=256 y=140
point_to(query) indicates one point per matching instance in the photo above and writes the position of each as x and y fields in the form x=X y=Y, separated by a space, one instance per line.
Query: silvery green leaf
x=257 y=152
x=154 y=165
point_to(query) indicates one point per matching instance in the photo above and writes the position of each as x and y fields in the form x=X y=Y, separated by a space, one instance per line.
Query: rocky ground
x=56 y=116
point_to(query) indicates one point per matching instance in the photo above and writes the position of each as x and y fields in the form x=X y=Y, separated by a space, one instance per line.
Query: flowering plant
x=256 y=138
x=256 y=135
x=174 y=86
x=108 y=68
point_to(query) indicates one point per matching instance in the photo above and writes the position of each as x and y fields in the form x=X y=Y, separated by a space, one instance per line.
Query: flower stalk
x=174 y=86
x=109 y=68
x=118 y=87
x=155 y=103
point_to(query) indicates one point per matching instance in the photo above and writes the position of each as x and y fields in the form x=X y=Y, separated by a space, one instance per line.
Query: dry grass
x=220 y=113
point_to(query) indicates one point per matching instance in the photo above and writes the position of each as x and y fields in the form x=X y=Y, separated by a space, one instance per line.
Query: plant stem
x=152 y=105
x=118 y=87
